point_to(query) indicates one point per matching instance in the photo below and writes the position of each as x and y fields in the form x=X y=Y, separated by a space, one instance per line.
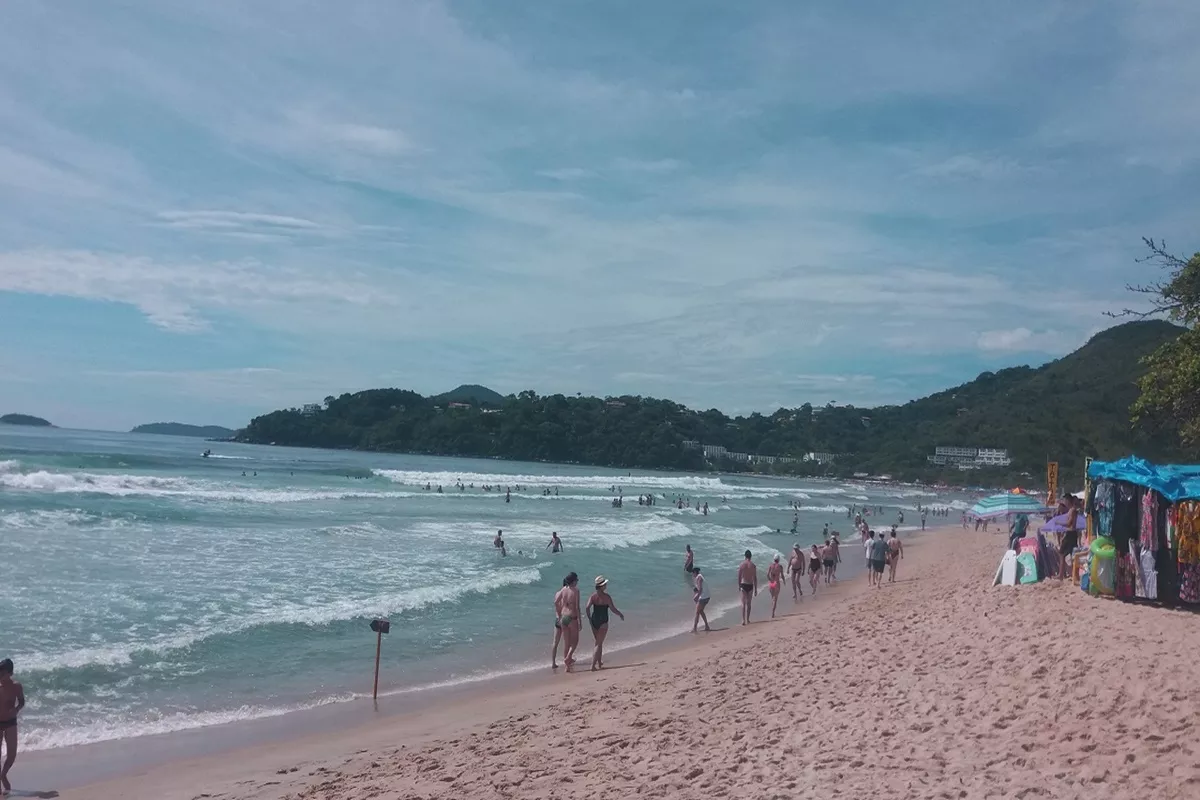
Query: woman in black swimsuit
x=597 y=612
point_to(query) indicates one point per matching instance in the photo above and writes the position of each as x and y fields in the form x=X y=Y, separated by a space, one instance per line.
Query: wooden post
x=378 y=647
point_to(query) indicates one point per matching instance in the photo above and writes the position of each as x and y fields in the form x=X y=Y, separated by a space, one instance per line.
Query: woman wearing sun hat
x=597 y=612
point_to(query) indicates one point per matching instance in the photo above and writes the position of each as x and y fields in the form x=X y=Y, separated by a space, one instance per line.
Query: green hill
x=470 y=393
x=1064 y=410
x=180 y=429
x=25 y=419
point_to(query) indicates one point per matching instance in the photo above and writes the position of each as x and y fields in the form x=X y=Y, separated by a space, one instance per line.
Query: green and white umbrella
x=1001 y=505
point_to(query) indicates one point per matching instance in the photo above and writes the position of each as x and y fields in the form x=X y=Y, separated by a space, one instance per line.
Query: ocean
x=147 y=589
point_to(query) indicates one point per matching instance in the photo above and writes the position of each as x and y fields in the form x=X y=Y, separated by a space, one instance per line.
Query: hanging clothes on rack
x=1125 y=516
x=1187 y=534
x=1149 y=534
x=1103 y=504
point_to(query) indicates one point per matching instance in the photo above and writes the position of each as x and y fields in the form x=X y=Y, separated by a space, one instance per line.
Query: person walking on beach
x=895 y=553
x=747 y=575
x=870 y=540
x=567 y=605
x=827 y=561
x=879 y=554
x=597 y=611
x=924 y=513
x=558 y=633
x=556 y=545
x=700 y=598
x=774 y=583
x=12 y=700
x=796 y=570
x=814 y=568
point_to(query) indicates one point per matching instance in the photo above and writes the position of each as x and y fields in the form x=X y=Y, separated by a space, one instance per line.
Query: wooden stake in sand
x=380 y=626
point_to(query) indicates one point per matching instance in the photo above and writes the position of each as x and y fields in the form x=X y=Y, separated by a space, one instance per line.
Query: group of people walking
x=568 y=620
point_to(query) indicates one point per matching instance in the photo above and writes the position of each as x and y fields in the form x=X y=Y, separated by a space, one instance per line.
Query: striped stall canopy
x=1001 y=505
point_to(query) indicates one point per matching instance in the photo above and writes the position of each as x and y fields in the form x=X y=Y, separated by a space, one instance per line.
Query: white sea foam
x=670 y=483
x=128 y=485
x=596 y=533
x=46 y=520
x=393 y=603
x=124 y=726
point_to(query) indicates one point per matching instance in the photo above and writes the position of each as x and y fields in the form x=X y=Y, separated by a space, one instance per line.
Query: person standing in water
x=566 y=603
x=556 y=545
x=597 y=611
x=895 y=553
x=747 y=575
x=12 y=700
x=774 y=583
x=796 y=570
x=688 y=558
x=700 y=597
x=498 y=543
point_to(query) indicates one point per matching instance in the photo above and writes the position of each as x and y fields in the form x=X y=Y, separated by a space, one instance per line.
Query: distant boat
x=206 y=454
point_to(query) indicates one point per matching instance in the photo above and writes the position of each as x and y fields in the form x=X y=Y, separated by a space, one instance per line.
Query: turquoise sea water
x=147 y=589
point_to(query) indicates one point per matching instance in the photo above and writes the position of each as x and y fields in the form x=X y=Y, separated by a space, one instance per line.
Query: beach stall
x=1145 y=521
x=1028 y=558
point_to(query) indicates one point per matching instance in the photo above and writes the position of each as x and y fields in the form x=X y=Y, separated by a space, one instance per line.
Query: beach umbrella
x=1001 y=505
x=1059 y=524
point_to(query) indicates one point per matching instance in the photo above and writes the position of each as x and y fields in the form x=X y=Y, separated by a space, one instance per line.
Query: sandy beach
x=938 y=686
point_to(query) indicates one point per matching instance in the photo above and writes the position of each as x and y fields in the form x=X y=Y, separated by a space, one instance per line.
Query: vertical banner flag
x=1051 y=482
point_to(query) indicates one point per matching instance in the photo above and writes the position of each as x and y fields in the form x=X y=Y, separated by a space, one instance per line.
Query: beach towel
x=1027 y=569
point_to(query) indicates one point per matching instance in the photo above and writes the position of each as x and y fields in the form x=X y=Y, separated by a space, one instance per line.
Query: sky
x=212 y=210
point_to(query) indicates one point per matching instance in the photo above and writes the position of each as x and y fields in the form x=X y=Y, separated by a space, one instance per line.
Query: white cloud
x=174 y=295
x=1024 y=340
x=229 y=221
x=653 y=166
x=973 y=167
x=566 y=173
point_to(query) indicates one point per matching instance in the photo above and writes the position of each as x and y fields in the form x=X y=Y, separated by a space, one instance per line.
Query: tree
x=1170 y=389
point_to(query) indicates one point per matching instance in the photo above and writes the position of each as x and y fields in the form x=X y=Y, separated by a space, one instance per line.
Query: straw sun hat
x=601 y=581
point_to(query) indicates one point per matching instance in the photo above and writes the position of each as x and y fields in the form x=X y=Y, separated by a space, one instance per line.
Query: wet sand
x=937 y=686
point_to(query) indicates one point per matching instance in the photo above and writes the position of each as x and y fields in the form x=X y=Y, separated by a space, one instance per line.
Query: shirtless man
x=556 y=545
x=870 y=540
x=567 y=604
x=796 y=570
x=774 y=583
x=747 y=575
x=895 y=553
x=12 y=700
x=498 y=543
x=689 y=559
x=827 y=561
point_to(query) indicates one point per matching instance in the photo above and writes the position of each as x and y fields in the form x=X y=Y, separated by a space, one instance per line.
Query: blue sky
x=211 y=210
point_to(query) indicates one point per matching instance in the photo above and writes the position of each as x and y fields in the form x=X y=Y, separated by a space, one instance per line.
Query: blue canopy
x=1173 y=481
